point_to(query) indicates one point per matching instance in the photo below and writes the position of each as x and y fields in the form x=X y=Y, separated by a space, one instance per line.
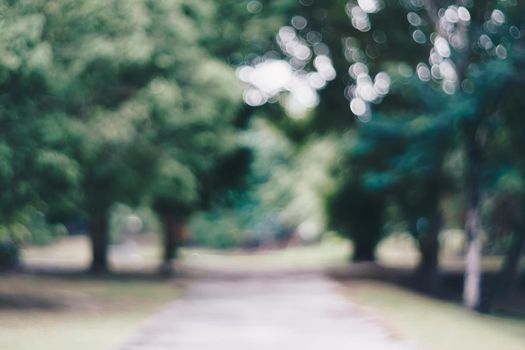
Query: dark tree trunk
x=425 y=223
x=509 y=270
x=472 y=279
x=428 y=243
x=363 y=251
x=510 y=267
x=98 y=230
x=506 y=277
x=173 y=227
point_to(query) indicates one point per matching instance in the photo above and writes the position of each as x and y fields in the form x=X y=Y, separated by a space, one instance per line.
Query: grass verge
x=77 y=312
x=435 y=324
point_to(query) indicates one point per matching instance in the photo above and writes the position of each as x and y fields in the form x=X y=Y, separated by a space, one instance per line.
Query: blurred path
x=291 y=312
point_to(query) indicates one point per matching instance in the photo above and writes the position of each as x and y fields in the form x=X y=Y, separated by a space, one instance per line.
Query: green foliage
x=221 y=229
x=243 y=210
x=31 y=227
x=104 y=103
x=281 y=194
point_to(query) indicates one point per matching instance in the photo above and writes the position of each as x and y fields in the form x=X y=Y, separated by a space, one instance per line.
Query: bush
x=9 y=254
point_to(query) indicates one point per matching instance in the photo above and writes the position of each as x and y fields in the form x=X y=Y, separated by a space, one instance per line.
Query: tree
x=409 y=155
x=111 y=81
x=471 y=53
x=189 y=145
x=102 y=57
x=358 y=213
x=36 y=173
x=483 y=71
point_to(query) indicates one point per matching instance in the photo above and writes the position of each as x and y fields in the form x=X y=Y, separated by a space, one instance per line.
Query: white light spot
x=369 y=6
x=463 y=14
x=366 y=91
x=423 y=72
x=449 y=87
x=324 y=66
x=299 y=22
x=271 y=76
x=382 y=83
x=244 y=73
x=435 y=72
x=501 y=51
x=485 y=42
x=414 y=19
x=435 y=58
x=497 y=17
x=356 y=69
x=442 y=47
x=302 y=52
x=451 y=14
x=419 y=37
x=286 y=34
x=448 y=71
x=358 y=106
x=359 y=18
x=254 y=97
x=316 y=81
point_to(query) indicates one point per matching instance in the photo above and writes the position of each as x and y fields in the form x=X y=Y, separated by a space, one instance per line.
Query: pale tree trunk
x=99 y=235
x=472 y=279
x=173 y=231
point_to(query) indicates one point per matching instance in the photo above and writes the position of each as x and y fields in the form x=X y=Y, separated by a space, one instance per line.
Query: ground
x=265 y=311
x=290 y=296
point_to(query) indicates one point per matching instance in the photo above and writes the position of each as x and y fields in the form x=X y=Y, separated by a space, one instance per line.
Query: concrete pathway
x=263 y=312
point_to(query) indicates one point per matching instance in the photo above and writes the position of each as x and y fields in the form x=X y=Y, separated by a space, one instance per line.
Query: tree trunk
x=472 y=278
x=428 y=243
x=173 y=227
x=511 y=265
x=363 y=251
x=510 y=268
x=98 y=230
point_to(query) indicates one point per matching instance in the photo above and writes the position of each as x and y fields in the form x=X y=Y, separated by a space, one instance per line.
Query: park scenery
x=262 y=174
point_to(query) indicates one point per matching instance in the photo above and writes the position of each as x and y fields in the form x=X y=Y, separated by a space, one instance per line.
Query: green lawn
x=59 y=313
x=434 y=324
x=71 y=310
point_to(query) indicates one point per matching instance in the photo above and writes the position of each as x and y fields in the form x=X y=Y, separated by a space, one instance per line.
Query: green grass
x=434 y=324
x=74 y=332
x=76 y=312
x=330 y=252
